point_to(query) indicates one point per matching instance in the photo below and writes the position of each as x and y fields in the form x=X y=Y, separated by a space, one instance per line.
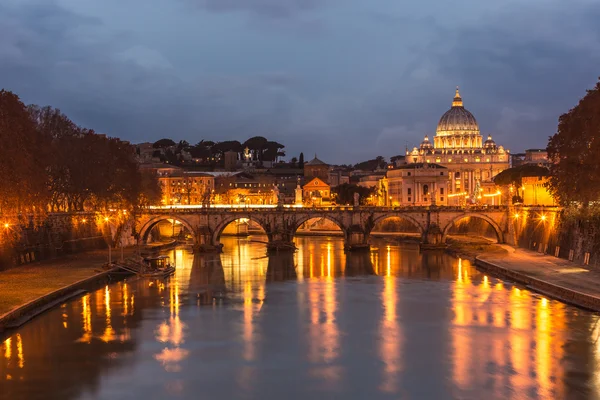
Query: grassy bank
x=468 y=248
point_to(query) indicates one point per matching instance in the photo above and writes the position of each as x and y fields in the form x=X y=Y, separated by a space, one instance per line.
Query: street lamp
x=109 y=241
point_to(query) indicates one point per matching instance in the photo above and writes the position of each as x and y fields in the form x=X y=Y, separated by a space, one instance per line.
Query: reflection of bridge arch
x=403 y=216
x=308 y=217
x=152 y=222
x=497 y=230
x=228 y=220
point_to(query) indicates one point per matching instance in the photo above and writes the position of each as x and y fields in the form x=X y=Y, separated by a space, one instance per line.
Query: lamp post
x=109 y=241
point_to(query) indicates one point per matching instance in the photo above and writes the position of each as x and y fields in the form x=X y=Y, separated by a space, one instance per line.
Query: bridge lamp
x=105 y=219
x=543 y=217
x=84 y=220
x=516 y=215
x=6 y=225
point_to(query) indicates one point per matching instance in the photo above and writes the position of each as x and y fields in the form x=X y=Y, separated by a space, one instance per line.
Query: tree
x=345 y=193
x=575 y=153
x=301 y=160
x=23 y=157
x=219 y=149
x=163 y=143
x=372 y=165
x=294 y=161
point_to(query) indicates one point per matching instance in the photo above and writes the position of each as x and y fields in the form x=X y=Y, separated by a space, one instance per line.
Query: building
x=531 y=156
x=316 y=169
x=243 y=188
x=417 y=184
x=338 y=177
x=181 y=187
x=535 y=193
x=471 y=162
x=317 y=192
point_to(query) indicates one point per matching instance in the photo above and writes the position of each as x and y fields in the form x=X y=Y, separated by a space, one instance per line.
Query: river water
x=319 y=324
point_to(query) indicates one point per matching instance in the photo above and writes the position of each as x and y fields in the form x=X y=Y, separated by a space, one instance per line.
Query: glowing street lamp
x=109 y=240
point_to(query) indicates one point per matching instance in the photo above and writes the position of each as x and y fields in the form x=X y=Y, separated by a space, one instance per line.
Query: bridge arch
x=403 y=216
x=152 y=222
x=308 y=217
x=220 y=227
x=490 y=221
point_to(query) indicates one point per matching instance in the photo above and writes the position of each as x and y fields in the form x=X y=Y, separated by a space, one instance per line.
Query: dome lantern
x=457 y=120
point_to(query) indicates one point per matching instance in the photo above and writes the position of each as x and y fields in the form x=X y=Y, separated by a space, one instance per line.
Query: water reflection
x=390 y=322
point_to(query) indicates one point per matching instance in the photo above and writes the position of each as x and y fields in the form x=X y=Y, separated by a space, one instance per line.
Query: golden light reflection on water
x=499 y=338
x=533 y=347
x=390 y=339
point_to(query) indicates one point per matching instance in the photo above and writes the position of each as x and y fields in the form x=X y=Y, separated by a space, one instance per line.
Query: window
x=441 y=174
x=425 y=190
x=409 y=191
x=441 y=191
x=457 y=175
x=408 y=174
x=442 y=198
x=409 y=199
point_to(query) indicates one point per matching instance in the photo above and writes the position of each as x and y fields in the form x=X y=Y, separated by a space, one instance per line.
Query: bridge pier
x=356 y=241
x=433 y=235
x=204 y=241
x=280 y=241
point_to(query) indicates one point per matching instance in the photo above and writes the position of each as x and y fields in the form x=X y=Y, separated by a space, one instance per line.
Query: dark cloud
x=376 y=83
x=283 y=9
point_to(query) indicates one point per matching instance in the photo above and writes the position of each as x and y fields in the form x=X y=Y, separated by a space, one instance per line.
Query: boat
x=147 y=267
x=157 y=267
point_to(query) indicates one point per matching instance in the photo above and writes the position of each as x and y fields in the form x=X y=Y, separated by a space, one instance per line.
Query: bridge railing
x=250 y=209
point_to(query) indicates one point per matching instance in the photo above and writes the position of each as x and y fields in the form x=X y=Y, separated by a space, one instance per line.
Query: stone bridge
x=280 y=224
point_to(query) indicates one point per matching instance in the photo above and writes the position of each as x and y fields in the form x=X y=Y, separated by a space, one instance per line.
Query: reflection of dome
x=426 y=144
x=457 y=120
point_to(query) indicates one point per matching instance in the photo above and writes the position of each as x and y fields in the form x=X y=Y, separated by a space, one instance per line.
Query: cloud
x=379 y=79
x=277 y=9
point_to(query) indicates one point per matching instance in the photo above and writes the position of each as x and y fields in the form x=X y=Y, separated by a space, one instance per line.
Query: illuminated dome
x=457 y=120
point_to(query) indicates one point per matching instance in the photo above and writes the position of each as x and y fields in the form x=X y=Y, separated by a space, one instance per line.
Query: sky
x=348 y=80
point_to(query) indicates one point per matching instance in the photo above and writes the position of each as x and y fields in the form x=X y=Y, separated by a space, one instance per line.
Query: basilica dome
x=457 y=120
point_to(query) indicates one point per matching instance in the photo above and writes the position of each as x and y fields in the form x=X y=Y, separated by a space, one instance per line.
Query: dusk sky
x=347 y=79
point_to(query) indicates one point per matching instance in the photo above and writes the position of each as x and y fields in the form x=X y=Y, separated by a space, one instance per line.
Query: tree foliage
x=22 y=159
x=345 y=193
x=575 y=152
x=163 y=143
x=47 y=162
x=372 y=165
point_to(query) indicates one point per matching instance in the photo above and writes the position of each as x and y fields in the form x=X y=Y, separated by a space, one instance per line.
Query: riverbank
x=25 y=289
x=553 y=277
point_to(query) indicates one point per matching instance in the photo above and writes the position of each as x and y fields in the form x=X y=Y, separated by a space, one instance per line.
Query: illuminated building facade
x=418 y=184
x=471 y=162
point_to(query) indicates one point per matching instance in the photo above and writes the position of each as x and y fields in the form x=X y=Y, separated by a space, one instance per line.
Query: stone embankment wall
x=59 y=234
x=574 y=238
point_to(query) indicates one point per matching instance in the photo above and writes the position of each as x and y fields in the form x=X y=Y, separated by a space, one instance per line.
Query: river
x=318 y=324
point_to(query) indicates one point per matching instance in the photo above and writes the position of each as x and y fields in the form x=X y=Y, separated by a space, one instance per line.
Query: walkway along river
x=392 y=323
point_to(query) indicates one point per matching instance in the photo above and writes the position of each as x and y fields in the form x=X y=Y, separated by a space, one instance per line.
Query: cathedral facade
x=470 y=161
